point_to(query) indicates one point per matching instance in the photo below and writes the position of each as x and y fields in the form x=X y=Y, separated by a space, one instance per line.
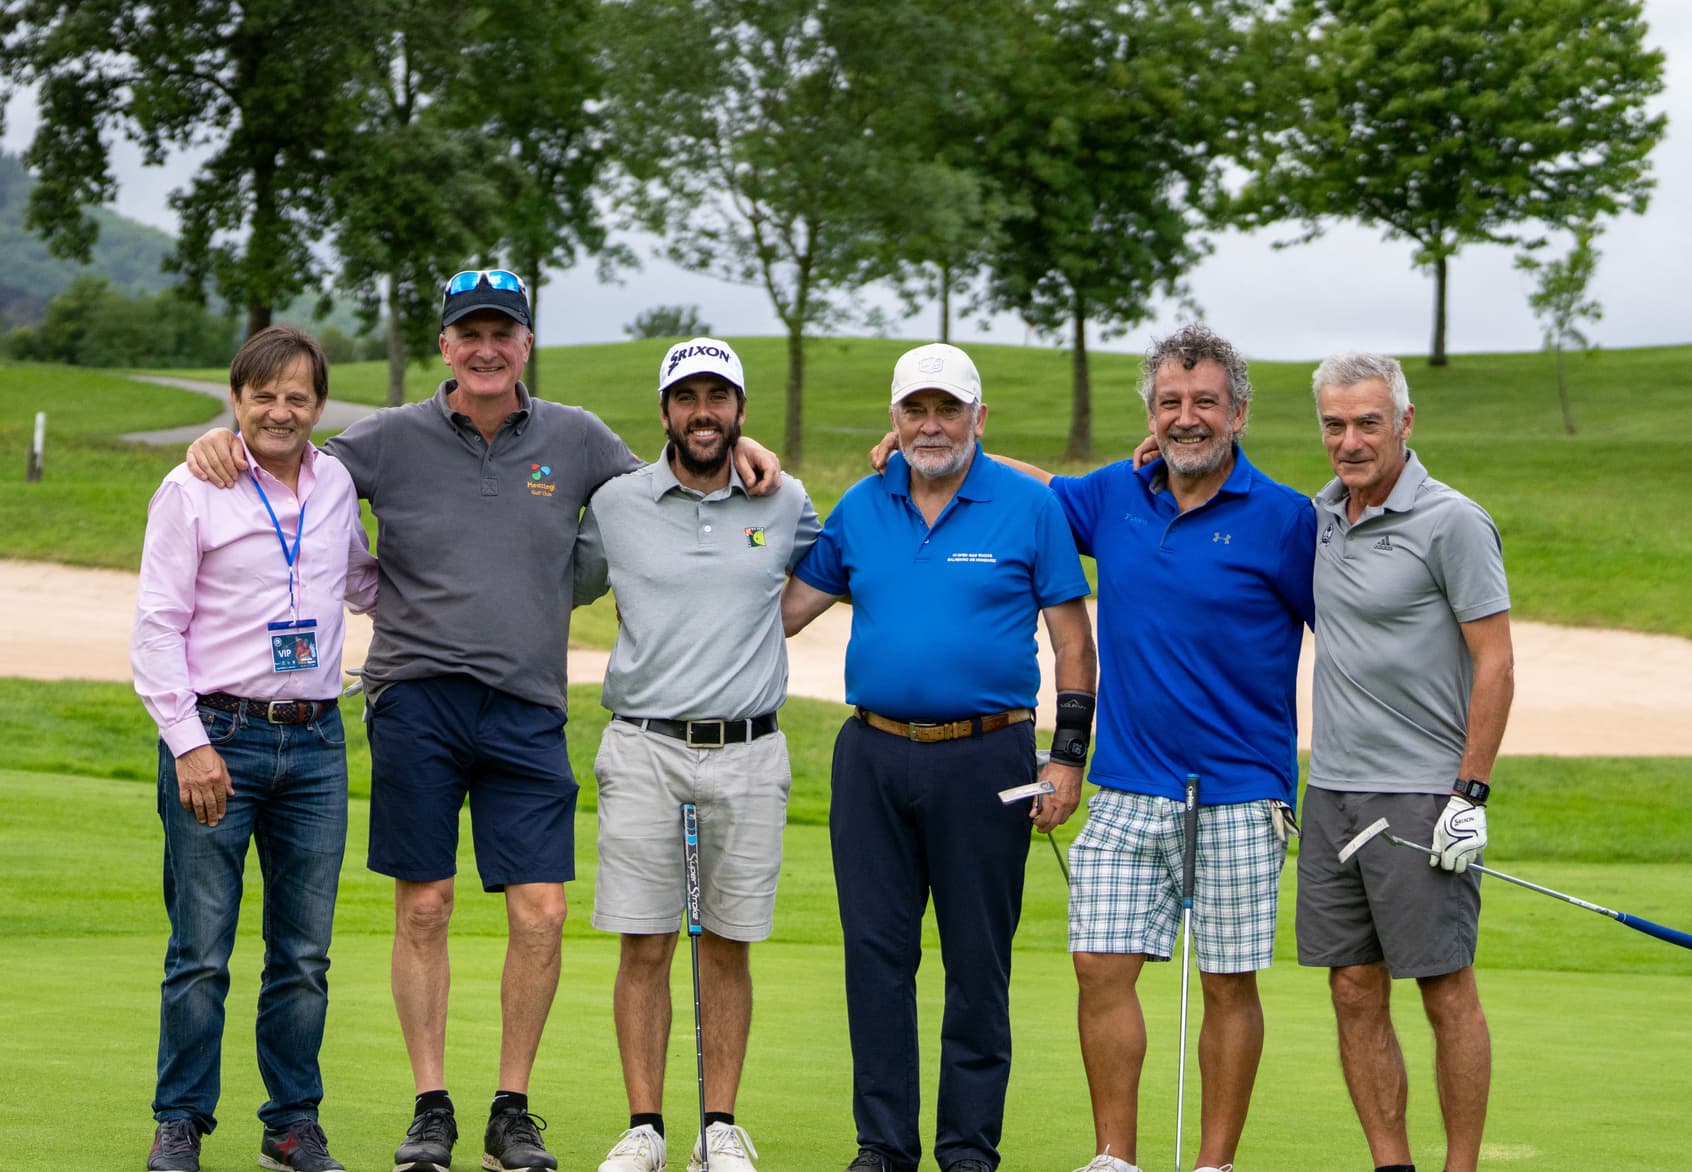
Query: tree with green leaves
x=763 y=140
x=1562 y=303
x=1456 y=122
x=258 y=83
x=532 y=89
x=413 y=196
x=1110 y=124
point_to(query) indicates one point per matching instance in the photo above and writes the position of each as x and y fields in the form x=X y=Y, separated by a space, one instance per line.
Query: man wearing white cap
x=950 y=560
x=697 y=674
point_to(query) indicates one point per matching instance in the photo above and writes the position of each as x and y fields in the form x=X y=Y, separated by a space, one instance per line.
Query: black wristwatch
x=1476 y=791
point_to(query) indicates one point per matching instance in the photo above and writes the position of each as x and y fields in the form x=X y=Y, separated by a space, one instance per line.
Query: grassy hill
x=1595 y=525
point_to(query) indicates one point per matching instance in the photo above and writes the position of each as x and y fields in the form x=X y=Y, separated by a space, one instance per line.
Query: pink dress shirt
x=213 y=576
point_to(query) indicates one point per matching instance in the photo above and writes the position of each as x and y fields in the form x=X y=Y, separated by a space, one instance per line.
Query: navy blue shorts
x=434 y=741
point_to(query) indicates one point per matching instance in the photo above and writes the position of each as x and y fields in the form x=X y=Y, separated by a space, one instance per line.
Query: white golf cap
x=936 y=367
x=700 y=356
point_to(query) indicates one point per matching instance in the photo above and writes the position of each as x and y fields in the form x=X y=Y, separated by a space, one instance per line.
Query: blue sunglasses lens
x=496 y=278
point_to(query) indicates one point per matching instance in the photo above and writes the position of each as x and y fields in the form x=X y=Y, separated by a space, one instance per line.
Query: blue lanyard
x=290 y=556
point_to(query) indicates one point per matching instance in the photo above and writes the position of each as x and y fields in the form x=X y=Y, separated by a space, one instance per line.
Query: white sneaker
x=639 y=1149
x=1105 y=1162
x=730 y=1147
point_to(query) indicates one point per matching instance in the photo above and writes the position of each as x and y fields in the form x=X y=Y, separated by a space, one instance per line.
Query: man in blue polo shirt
x=1204 y=571
x=949 y=560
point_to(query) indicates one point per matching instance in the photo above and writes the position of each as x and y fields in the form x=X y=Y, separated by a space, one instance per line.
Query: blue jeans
x=291 y=800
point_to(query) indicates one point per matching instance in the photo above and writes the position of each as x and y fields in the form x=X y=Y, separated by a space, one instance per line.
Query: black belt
x=708 y=734
x=275 y=711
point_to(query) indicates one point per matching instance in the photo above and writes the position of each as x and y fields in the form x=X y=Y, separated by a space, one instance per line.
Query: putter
x=690 y=868
x=1038 y=790
x=1189 y=864
x=1378 y=829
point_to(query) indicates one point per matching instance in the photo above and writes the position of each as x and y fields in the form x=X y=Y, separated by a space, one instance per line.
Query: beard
x=936 y=466
x=697 y=463
x=1200 y=461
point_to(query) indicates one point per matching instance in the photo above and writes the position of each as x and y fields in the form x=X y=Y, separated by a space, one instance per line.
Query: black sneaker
x=869 y=1160
x=428 y=1143
x=969 y=1166
x=513 y=1143
x=298 y=1147
x=176 y=1147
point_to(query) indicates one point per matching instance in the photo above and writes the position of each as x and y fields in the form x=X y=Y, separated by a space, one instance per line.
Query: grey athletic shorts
x=1385 y=903
x=1125 y=877
x=741 y=792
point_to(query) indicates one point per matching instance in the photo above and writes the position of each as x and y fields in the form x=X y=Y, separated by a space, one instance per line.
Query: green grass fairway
x=1589 y=1019
x=1584 y=542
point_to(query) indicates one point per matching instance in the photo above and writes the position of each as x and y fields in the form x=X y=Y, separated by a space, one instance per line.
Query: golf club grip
x=1660 y=931
x=1189 y=860
x=690 y=864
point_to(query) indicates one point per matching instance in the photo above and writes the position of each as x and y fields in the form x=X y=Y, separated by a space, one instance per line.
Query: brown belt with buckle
x=928 y=731
x=274 y=711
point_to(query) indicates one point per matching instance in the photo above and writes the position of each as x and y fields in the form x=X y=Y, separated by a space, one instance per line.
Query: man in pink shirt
x=236 y=652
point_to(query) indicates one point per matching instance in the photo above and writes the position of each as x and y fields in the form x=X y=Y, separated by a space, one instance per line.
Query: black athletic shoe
x=971 y=1165
x=176 y=1147
x=513 y=1144
x=428 y=1143
x=299 y=1147
x=872 y=1161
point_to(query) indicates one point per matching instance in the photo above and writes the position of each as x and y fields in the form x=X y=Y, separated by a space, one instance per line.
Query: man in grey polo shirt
x=697 y=674
x=1413 y=682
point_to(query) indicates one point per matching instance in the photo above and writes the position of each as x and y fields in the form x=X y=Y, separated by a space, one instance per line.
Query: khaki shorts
x=741 y=793
x=1385 y=903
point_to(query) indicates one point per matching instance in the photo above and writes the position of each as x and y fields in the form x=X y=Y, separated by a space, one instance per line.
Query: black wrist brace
x=1074 y=728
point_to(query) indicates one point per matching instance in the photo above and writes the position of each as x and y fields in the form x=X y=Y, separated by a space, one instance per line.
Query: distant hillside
x=127 y=254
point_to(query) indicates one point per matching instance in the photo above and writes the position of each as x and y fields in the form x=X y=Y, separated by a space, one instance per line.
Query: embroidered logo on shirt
x=755 y=536
x=1328 y=533
x=538 y=484
x=985 y=559
x=1219 y=536
x=1384 y=543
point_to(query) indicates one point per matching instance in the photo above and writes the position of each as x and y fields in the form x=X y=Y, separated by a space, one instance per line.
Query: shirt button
x=707 y=529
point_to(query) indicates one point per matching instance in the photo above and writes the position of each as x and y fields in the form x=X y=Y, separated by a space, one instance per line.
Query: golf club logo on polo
x=538 y=483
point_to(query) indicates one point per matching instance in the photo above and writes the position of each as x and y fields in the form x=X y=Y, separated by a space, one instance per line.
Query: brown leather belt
x=274 y=711
x=927 y=732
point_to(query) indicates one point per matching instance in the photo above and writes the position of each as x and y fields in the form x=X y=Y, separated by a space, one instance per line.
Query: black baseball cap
x=472 y=289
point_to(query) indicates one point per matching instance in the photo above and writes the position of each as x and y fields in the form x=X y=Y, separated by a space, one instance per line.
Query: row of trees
x=1063 y=161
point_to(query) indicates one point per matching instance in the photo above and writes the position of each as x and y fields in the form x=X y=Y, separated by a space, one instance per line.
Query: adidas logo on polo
x=1384 y=543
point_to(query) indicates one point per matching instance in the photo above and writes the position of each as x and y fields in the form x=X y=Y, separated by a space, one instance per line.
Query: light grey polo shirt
x=698 y=581
x=474 y=539
x=1393 y=674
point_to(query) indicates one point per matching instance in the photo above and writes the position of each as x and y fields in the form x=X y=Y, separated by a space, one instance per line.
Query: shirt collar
x=524 y=404
x=1334 y=495
x=308 y=464
x=664 y=478
x=1155 y=475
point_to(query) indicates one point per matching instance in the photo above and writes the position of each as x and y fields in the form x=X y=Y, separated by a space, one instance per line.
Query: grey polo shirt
x=1393 y=674
x=698 y=580
x=475 y=539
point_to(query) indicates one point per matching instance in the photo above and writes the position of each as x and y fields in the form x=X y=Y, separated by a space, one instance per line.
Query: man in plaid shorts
x=1204 y=569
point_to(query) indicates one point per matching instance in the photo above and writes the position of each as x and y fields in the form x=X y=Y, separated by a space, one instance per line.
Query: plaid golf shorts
x=1125 y=881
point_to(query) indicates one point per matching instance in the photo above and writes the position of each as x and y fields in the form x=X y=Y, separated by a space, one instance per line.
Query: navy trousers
x=907 y=820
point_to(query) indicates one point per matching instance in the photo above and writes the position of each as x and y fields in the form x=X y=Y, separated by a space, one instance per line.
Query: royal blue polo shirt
x=1201 y=617
x=943 y=619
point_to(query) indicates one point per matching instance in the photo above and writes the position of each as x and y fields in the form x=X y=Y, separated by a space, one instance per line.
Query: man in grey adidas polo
x=697 y=674
x=1413 y=682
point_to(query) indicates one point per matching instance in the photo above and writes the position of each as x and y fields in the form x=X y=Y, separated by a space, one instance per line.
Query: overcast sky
x=1351 y=289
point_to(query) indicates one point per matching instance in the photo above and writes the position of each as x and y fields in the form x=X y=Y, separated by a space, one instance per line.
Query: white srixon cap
x=936 y=367
x=700 y=356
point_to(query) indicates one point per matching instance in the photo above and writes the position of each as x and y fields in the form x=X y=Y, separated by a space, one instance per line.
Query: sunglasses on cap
x=468 y=279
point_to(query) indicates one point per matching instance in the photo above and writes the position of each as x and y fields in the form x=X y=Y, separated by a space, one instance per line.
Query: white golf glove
x=1459 y=835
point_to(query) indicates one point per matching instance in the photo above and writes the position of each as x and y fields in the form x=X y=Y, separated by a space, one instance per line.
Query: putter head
x=1374 y=830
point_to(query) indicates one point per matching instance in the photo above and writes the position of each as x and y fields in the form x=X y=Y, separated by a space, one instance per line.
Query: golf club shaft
x=1638 y=923
x=690 y=861
x=1189 y=866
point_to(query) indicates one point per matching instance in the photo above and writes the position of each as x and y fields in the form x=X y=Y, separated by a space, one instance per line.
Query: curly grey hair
x=1190 y=345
